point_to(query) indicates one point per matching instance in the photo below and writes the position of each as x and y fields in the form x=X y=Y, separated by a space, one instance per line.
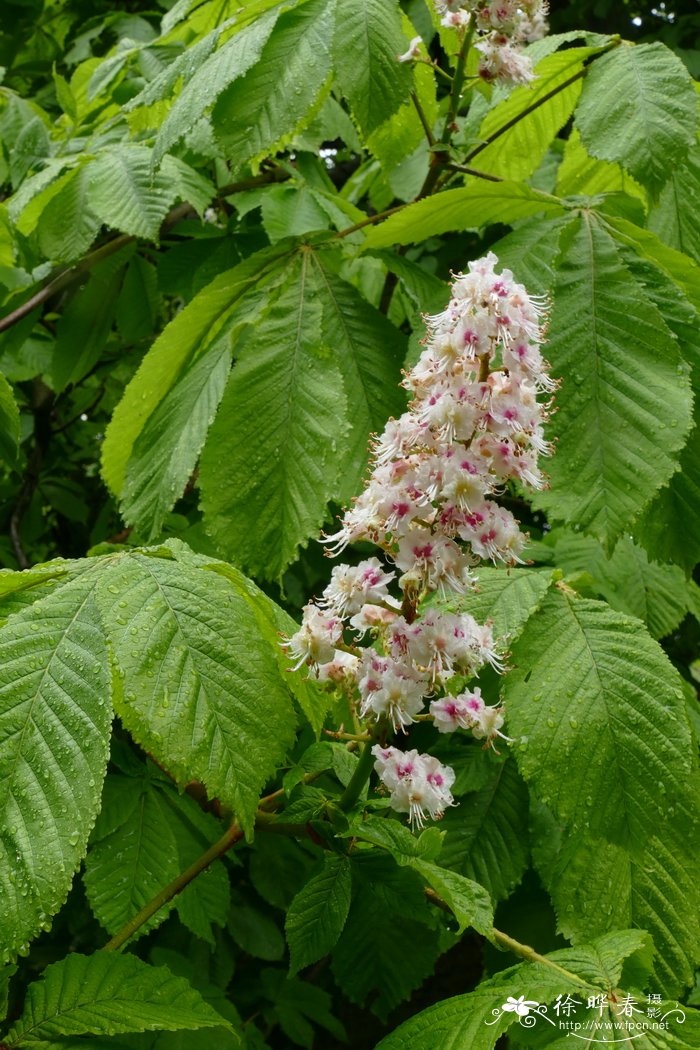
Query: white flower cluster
x=475 y=421
x=418 y=783
x=503 y=26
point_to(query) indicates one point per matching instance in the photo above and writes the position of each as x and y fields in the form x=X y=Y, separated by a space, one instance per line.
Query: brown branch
x=536 y=105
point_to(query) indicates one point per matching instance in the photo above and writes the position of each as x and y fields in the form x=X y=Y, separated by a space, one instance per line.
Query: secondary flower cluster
x=474 y=422
x=502 y=27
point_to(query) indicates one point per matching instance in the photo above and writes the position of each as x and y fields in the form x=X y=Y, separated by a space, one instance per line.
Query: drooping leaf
x=470 y=903
x=657 y=594
x=623 y=384
x=187 y=337
x=272 y=459
x=166 y=450
x=673 y=216
x=67 y=225
x=598 y=886
x=369 y=352
x=638 y=107
x=83 y=328
x=126 y=195
x=477 y=205
x=487 y=837
x=385 y=948
x=200 y=685
x=682 y=270
x=55 y=716
x=317 y=914
x=670 y=529
x=206 y=80
x=368 y=39
x=599 y=718
x=128 y=867
x=278 y=95
x=105 y=994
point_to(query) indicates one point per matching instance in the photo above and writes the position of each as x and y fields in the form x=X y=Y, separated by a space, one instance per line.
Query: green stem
x=524 y=951
x=369 y=221
x=458 y=82
x=451 y=166
x=233 y=835
x=362 y=773
x=423 y=119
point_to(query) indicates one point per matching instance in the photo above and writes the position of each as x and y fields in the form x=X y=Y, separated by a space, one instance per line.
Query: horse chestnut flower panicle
x=481 y=392
x=502 y=27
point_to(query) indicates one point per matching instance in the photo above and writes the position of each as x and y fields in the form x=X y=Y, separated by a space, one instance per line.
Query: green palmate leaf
x=469 y=902
x=581 y=173
x=670 y=528
x=9 y=422
x=105 y=994
x=486 y=836
x=317 y=914
x=461 y=1023
x=624 y=408
x=395 y=837
x=673 y=216
x=313 y=700
x=604 y=738
x=147 y=834
x=477 y=205
x=659 y=595
x=683 y=271
x=597 y=886
x=125 y=194
x=200 y=686
x=531 y=251
x=166 y=450
x=638 y=107
x=389 y=944
x=55 y=716
x=519 y=151
x=368 y=39
x=507 y=596
x=477 y=1020
x=369 y=352
x=272 y=459
x=185 y=339
x=67 y=225
x=206 y=77
x=129 y=866
x=19 y=589
x=278 y=95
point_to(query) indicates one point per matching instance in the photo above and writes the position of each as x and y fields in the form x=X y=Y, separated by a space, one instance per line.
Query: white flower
x=416 y=783
x=351 y=587
x=413 y=50
x=316 y=639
